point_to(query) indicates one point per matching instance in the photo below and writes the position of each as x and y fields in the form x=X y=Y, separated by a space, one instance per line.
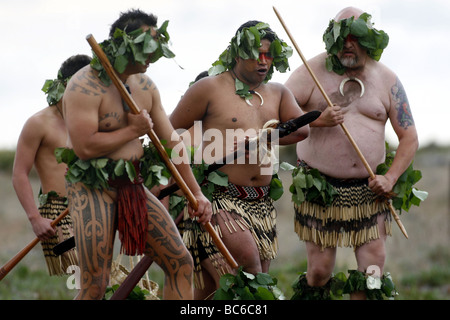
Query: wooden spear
x=159 y=147
x=22 y=253
x=330 y=104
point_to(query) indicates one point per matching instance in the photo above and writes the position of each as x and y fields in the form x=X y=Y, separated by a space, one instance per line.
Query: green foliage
x=276 y=187
x=374 y=288
x=371 y=39
x=153 y=169
x=245 y=44
x=133 y=47
x=207 y=182
x=405 y=195
x=94 y=173
x=308 y=184
x=247 y=286
x=136 y=294
x=333 y=290
x=55 y=89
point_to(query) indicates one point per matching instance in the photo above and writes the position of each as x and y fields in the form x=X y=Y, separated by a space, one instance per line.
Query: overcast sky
x=38 y=35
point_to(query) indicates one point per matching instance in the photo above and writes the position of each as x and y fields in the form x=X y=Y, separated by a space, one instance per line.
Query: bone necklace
x=344 y=81
x=247 y=100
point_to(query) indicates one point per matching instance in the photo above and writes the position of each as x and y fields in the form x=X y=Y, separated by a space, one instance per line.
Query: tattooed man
x=366 y=94
x=100 y=126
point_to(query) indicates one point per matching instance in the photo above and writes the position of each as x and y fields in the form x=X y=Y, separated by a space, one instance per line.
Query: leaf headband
x=245 y=44
x=55 y=89
x=371 y=39
x=133 y=47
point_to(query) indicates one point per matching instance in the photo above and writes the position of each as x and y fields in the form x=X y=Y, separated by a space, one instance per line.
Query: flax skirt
x=350 y=221
x=239 y=208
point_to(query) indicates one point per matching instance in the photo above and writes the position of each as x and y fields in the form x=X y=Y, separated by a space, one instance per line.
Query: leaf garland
x=308 y=184
x=333 y=290
x=209 y=182
x=371 y=39
x=245 y=44
x=153 y=169
x=375 y=288
x=206 y=181
x=405 y=194
x=247 y=286
x=54 y=89
x=95 y=173
x=136 y=294
x=133 y=47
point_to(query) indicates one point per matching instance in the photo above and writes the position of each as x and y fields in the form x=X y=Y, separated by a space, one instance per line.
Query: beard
x=349 y=62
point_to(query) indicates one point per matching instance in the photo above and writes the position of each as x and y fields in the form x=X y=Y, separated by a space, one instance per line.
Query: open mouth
x=262 y=71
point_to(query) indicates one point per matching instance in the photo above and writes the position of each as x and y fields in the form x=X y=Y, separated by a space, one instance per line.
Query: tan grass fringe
x=257 y=216
x=350 y=238
x=57 y=265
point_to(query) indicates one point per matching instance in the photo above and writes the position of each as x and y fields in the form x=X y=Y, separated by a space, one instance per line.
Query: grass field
x=420 y=265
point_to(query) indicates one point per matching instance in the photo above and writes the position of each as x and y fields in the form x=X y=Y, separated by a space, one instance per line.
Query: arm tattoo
x=87 y=84
x=113 y=115
x=404 y=115
x=145 y=83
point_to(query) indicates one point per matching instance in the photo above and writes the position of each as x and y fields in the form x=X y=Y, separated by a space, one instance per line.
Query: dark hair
x=133 y=20
x=270 y=35
x=201 y=75
x=73 y=64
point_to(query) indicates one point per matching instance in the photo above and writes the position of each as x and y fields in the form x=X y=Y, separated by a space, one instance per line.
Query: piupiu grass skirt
x=239 y=208
x=350 y=221
x=57 y=265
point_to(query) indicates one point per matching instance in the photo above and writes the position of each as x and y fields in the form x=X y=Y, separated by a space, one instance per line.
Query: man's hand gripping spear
x=159 y=147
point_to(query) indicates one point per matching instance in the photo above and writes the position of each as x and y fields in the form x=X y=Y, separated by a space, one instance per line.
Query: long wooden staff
x=137 y=273
x=330 y=104
x=139 y=270
x=159 y=147
x=22 y=253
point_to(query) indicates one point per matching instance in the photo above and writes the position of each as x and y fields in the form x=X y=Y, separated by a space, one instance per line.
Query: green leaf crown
x=245 y=44
x=54 y=89
x=371 y=39
x=133 y=47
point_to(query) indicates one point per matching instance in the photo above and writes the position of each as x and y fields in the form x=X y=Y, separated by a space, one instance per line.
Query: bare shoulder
x=386 y=74
x=206 y=88
x=301 y=76
x=210 y=82
x=40 y=123
x=86 y=82
x=142 y=82
x=40 y=118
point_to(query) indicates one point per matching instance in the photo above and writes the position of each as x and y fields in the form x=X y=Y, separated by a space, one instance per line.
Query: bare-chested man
x=373 y=95
x=243 y=211
x=99 y=125
x=41 y=135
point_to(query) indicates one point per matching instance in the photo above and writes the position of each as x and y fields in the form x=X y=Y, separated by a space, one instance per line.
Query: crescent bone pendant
x=344 y=81
x=257 y=93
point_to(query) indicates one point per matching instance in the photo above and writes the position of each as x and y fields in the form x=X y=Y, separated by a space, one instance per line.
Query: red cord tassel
x=132 y=218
